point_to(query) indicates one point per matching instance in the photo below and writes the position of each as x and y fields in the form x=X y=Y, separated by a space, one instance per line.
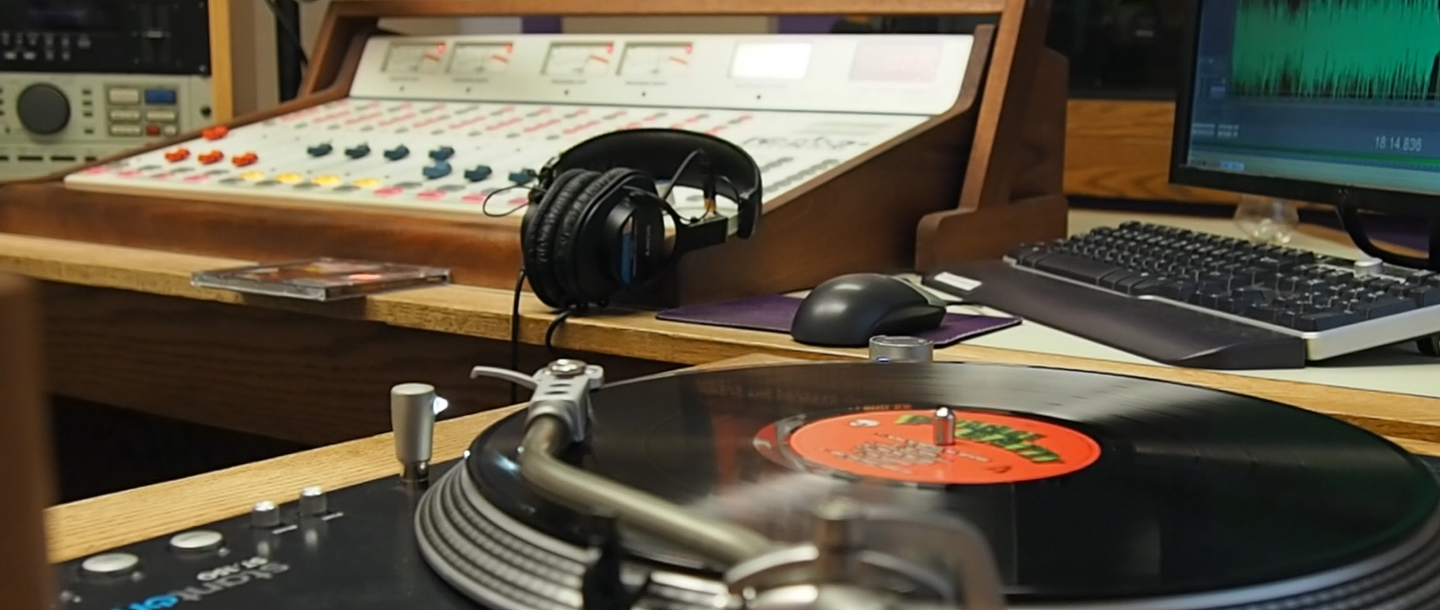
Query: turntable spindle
x=944 y=426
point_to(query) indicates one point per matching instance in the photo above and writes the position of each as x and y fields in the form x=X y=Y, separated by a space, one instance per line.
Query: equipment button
x=213 y=156
x=326 y=180
x=160 y=116
x=110 y=564
x=197 y=541
x=478 y=173
x=160 y=97
x=442 y=153
x=124 y=130
x=523 y=176
x=439 y=170
x=215 y=133
x=356 y=152
x=170 y=130
x=177 y=155
x=119 y=95
x=124 y=115
x=252 y=176
x=313 y=502
x=367 y=183
x=397 y=153
x=320 y=150
x=289 y=178
x=152 y=130
x=244 y=159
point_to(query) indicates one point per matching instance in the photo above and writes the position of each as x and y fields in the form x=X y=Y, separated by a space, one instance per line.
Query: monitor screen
x=1333 y=101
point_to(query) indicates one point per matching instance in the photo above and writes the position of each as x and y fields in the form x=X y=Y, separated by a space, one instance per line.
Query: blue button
x=160 y=97
x=439 y=170
x=478 y=173
x=397 y=153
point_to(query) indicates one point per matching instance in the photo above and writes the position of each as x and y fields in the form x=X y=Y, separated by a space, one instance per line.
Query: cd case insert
x=321 y=279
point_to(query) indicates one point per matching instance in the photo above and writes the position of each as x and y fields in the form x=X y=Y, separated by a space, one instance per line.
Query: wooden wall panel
x=1121 y=149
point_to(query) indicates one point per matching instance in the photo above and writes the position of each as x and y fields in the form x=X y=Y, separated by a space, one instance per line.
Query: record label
x=989 y=448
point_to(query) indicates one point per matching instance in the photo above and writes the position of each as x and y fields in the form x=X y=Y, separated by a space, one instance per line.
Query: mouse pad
x=774 y=312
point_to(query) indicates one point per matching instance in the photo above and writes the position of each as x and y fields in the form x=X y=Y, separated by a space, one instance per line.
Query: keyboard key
x=1076 y=268
x=1385 y=305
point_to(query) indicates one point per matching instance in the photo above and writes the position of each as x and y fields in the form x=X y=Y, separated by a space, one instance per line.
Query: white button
x=160 y=116
x=110 y=564
x=124 y=115
x=170 y=130
x=198 y=540
x=124 y=96
x=124 y=130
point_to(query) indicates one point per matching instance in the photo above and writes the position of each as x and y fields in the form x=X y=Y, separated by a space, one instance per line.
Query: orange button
x=215 y=133
x=242 y=160
x=213 y=156
x=177 y=155
x=152 y=130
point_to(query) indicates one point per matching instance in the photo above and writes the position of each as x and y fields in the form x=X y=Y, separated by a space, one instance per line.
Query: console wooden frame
x=907 y=203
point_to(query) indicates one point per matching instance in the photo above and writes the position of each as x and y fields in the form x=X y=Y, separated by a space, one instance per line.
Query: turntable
x=831 y=485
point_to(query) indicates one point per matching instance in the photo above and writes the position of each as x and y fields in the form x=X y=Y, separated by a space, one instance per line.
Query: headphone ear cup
x=538 y=234
x=573 y=230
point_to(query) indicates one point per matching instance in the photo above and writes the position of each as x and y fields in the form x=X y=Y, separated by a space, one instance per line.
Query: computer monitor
x=1326 y=101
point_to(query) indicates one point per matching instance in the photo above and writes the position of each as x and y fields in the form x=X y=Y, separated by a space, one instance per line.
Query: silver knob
x=265 y=515
x=197 y=541
x=313 y=502
x=110 y=564
x=412 y=417
x=901 y=349
x=1368 y=266
x=565 y=367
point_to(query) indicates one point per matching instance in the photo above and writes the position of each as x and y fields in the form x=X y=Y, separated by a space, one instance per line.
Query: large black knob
x=43 y=109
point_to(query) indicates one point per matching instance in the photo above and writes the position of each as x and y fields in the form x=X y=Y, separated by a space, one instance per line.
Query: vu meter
x=415 y=58
x=642 y=60
x=481 y=58
x=580 y=59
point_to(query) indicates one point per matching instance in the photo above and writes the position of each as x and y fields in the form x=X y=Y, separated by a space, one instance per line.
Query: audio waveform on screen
x=1344 y=49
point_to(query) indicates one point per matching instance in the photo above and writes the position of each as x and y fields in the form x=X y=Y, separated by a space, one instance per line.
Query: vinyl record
x=1088 y=487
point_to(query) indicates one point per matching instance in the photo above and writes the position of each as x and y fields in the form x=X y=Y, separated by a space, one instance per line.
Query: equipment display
x=1324 y=101
x=83 y=80
x=423 y=149
x=922 y=485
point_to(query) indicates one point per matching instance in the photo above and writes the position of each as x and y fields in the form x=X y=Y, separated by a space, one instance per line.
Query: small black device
x=847 y=311
x=595 y=226
x=1272 y=106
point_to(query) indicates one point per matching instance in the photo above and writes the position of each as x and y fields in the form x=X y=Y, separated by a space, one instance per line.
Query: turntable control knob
x=44 y=109
x=565 y=367
x=265 y=514
x=901 y=349
x=412 y=418
x=197 y=541
x=110 y=564
x=313 y=502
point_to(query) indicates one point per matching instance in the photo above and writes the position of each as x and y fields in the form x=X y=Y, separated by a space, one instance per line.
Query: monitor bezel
x=1370 y=198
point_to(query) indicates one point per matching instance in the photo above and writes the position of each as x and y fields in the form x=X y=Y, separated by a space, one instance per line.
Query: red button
x=215 y=133
x=245 y=159
x=177 y=155
x=152 y=130
x=213 y=156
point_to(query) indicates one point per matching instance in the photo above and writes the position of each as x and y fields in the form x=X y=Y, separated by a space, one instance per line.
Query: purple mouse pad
x=774 y=312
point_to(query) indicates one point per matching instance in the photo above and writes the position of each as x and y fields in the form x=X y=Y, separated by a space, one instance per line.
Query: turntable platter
x=1087 y=486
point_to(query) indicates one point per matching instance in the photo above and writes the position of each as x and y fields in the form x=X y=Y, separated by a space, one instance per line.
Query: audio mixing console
x=435 y=125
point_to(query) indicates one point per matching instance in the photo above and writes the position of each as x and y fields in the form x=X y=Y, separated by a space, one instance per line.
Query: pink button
x=388 y=191
x=96 y=171
x=431 y=195
x=197 y=178
x=474 y=198
x=129 y=173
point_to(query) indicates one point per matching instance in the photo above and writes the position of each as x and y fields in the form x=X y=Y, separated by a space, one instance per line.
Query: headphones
x=595 y=226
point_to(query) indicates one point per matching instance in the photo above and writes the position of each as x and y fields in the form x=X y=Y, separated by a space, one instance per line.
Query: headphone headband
x=660 y=152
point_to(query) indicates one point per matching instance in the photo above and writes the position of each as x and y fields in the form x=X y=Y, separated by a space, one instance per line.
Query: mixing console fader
x=436 y=125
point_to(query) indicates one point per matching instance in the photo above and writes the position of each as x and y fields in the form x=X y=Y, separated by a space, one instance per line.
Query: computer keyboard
x=1196 y=299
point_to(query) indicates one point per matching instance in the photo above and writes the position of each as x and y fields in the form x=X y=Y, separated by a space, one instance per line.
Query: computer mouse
x=848 y=310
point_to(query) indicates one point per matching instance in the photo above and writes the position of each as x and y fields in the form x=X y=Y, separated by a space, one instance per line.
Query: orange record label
x=900 y=446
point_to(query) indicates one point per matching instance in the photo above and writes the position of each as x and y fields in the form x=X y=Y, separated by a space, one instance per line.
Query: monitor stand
x=1350 y=220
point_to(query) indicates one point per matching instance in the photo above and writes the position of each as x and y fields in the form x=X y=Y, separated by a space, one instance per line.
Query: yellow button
x=326 y=180
x=253 y=176
x=288 y=178
x=367 y=183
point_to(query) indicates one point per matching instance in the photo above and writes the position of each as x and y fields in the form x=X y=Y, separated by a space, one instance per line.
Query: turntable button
x=110 y=564
x=313 y=502
x=265 y=515
x=197 y=541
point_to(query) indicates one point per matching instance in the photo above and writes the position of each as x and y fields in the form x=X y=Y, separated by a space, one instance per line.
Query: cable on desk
x=515 y=334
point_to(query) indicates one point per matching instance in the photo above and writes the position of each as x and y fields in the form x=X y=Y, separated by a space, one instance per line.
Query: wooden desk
x=89 y=526
x=126 y=328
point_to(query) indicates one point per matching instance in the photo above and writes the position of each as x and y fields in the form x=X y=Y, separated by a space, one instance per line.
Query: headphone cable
x=515 y=334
